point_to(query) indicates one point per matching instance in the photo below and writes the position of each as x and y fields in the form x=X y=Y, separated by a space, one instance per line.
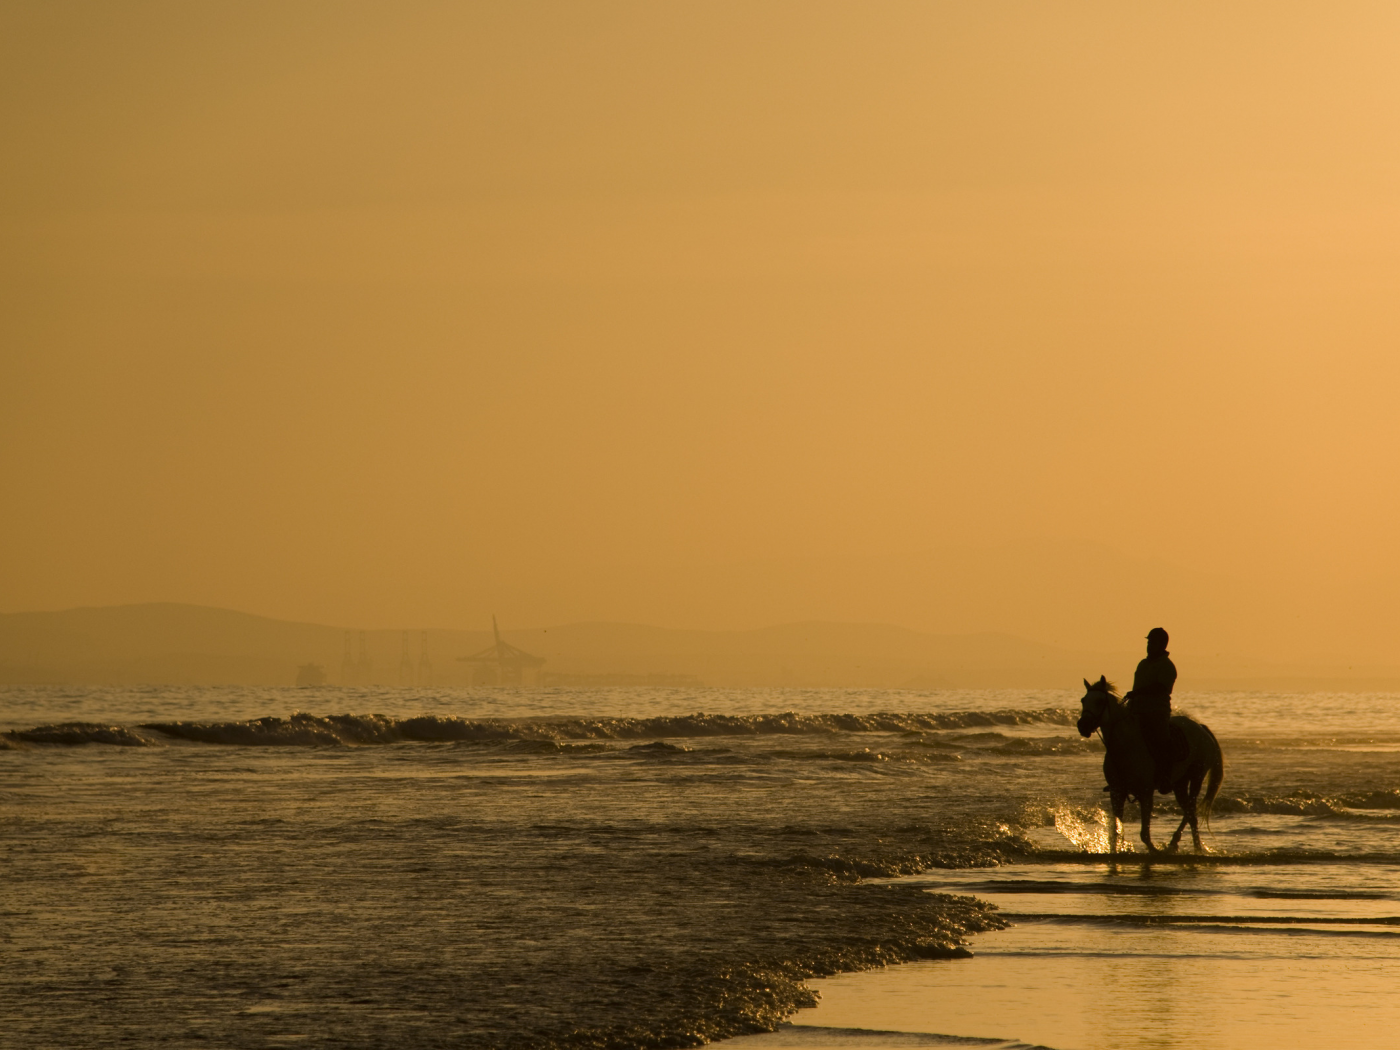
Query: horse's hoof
x=1172 y=848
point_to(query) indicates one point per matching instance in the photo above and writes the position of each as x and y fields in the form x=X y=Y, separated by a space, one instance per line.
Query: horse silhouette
x=1130 y=771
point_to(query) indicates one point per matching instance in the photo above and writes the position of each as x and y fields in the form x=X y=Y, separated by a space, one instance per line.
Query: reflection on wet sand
x=1115 y=958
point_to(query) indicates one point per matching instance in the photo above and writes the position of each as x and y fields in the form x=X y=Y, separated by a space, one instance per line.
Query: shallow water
x=556 y=867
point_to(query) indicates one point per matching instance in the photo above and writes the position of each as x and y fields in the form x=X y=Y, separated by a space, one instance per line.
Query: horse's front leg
x=1115 y=817
x=1145 y=807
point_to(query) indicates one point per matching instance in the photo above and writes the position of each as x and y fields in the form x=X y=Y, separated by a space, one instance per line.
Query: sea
x=637 y=867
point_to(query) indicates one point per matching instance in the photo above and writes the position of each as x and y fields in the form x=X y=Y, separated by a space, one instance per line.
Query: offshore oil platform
x=359 y=669
x=503 y=664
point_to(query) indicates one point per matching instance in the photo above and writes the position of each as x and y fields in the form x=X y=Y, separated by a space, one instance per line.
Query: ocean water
x=661 y=867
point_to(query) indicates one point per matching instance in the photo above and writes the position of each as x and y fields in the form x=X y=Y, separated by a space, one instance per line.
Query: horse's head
x=1097 y=699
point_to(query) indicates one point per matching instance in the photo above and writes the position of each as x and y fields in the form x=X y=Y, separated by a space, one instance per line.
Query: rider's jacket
x=1151 y=702
x=1152 y=683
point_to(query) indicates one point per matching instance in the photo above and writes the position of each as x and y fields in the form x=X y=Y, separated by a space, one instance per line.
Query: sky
x=1054 y=319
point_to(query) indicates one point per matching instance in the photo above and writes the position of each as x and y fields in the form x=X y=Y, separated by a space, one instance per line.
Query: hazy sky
x=705 y=314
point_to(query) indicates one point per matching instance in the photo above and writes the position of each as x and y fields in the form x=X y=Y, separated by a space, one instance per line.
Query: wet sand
x=812 y=1037
x=1285 y=956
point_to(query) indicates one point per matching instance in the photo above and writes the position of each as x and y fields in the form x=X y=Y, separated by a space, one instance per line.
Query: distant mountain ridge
x=166 y=643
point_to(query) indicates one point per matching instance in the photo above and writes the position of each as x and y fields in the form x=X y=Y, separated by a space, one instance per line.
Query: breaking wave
x=71 y=733
x=1365 y=805
x=306 y=730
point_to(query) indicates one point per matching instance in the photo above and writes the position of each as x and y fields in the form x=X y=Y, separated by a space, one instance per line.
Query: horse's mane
x=1109 y=688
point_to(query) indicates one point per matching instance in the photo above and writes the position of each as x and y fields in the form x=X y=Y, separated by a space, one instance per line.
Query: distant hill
x=195 y=645
x=186 y=644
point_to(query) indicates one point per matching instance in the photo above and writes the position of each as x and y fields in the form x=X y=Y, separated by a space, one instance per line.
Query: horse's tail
x=1215 y=776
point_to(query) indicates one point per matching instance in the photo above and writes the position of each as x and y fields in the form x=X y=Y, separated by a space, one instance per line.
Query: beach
x=546 y=526
x=1141 y=956
x=635 y=867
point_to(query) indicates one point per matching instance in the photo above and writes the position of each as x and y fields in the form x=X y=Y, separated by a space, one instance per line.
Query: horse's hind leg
x=1188 y=813
x=1145 y=806
x=1195 y=792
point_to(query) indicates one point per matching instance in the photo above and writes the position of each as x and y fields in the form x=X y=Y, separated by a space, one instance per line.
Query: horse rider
x=1151 y=701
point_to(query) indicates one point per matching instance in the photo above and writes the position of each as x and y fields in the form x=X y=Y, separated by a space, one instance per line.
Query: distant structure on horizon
x=355 y=670
x=503 y=663
x=311 y=674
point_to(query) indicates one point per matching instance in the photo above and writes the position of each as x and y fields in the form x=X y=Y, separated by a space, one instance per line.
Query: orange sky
x=708 y=314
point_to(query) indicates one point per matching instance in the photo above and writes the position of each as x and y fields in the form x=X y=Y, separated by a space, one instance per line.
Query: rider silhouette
x=1151 y=701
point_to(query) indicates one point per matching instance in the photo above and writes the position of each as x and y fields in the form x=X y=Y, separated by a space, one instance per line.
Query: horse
x=1129 y=770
